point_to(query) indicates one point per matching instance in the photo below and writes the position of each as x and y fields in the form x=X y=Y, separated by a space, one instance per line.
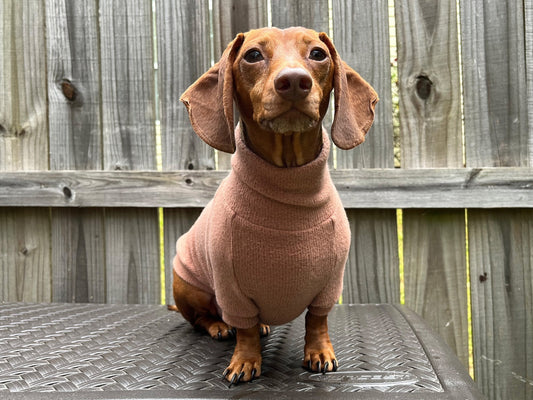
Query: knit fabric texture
x=272 y=242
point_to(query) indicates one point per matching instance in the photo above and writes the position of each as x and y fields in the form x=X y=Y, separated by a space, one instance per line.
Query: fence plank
x=25 y=250
x=310 y=14
x=361 y=35
x=528 y=10
x=78 y=264
x=182 y=149
x=177 y=222
x=496 y=134
x=132 y=236
x=430 y=112
x=182 y=28
x=233 y=16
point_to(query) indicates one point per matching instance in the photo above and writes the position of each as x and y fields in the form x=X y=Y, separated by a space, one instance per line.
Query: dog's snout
x=293 y=84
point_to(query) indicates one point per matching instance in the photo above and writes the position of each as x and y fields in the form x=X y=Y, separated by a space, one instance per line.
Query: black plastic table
x=97 y=351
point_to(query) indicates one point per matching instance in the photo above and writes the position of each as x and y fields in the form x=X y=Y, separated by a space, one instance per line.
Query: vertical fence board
x=310 y=14
x=78 y=264
x=131 y=236
x=430 y=115
x=182 y=28
x=528 y=10
x=234 y=16
x=25 y=238
x=177 y=222
x=496 y=134
x=502 y=303
x=361 y=35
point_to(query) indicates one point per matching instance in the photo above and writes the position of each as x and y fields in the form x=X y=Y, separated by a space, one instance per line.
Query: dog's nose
x=293 y=84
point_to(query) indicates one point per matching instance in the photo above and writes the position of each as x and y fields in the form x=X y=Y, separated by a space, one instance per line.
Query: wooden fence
x=88 y=177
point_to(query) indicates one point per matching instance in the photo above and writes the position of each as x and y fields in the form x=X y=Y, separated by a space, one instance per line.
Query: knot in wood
x=69 y=90
x=423 y=86
x=67 y=192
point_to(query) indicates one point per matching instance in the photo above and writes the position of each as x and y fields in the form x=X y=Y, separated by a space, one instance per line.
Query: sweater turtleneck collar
x=301 y=186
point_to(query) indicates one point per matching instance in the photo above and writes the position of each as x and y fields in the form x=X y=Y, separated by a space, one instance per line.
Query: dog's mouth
x=290 y=122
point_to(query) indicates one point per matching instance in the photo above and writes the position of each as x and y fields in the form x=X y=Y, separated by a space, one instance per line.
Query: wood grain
x=25 y=241
x=497 y=134
x=311 y=14
x=361 y=36
x=78 y=264
x=358 y=189
x=131 y=236
x=182 y=28
x=528 y=13
x=430 y=115
x=177 y=222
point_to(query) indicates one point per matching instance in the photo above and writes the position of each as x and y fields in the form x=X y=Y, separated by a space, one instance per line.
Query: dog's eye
x=253 y=56
x=317 y=54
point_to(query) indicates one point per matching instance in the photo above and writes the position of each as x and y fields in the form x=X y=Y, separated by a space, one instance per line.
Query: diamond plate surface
x=88 y=347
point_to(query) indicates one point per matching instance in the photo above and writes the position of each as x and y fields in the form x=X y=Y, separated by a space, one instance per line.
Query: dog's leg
x=318 y=351
x=245 y=363
x=198 y=307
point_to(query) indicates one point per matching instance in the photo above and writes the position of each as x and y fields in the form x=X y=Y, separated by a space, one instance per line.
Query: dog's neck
x=284 y=150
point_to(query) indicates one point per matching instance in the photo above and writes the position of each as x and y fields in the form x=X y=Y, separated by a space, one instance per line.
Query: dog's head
x=281 y=81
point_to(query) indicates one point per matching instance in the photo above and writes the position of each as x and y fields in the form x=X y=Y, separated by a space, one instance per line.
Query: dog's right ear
x=209 y=101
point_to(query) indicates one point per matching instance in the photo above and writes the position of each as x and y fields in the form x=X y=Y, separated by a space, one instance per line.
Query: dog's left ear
x=209 y=101
x=355 y=101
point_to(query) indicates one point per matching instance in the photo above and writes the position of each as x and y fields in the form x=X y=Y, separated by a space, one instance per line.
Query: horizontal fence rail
x=366 y=188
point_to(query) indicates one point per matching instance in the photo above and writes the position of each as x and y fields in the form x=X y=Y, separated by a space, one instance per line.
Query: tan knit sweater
x=272 y=242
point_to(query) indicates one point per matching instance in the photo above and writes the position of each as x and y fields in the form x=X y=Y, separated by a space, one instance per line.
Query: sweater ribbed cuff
x=319 y=311
x=240 y=322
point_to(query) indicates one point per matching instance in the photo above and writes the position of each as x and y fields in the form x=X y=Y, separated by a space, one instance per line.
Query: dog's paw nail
x=254 y=371
x=326 y=365
x=309 y=365
x=233 y=380
x=219 y=335
x=241 y=375
x=335 y=366
x=318 y=366
x=225 y=373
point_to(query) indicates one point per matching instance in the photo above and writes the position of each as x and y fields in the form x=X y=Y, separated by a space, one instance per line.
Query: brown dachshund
x=275 y=238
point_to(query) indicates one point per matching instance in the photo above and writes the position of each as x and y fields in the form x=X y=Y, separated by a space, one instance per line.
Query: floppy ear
x=209 y=101
x=355 y=101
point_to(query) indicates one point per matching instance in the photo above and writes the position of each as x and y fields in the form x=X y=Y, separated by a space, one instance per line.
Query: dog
x=274 y=240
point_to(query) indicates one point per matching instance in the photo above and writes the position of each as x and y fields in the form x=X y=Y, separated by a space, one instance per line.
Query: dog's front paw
x=245 y=363
x=318 y=351
x=243 y=368
x=320 y=359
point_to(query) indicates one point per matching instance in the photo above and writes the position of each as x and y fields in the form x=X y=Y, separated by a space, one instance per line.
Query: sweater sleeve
x=237 y=309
